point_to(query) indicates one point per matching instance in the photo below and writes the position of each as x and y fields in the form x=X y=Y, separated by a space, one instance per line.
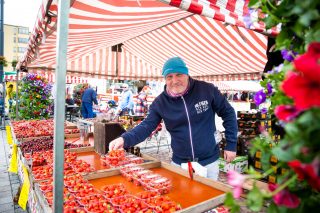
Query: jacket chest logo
x=201 y=106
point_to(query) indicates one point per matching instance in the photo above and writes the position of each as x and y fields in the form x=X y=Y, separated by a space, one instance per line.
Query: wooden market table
x=184 y=191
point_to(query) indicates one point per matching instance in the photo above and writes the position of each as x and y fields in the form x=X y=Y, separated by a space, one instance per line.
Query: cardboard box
x=104 y=133
x=239 y=164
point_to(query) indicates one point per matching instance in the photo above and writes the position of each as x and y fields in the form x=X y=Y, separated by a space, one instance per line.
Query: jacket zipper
x=190 y=133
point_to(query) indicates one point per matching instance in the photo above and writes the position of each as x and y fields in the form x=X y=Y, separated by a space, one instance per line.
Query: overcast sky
x=21 y=12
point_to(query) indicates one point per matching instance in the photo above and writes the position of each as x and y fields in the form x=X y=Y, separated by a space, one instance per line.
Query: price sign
x=14 y=160
x=24 y=195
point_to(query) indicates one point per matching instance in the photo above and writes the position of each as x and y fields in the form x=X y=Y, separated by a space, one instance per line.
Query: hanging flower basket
x=3 y=61
x=14 y=64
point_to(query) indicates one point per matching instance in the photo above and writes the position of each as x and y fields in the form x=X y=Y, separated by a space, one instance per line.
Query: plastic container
x=147 y=195
x=128 y=172
x=114 y=190
x=136 y=176
x=116 y=161
x=162 y=185
x=100 y=207
x=84 y=130
x=137 y=160
x=92 y=199
x=74 y=210
x=167 y=207
x=145 y=179
x=70 y=206
x=129 y=203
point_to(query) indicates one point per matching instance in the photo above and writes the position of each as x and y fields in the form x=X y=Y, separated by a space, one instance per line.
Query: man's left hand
x=229 y=156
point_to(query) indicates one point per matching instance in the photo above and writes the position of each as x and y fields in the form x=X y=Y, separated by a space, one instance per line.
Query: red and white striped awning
x=50 y=76
x=221 y=86
x=151 y=33
x=211 y=50
x=234 y=12
x=12 y=77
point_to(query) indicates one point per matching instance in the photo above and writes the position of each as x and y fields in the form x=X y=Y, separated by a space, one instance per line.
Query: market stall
x=243 y=56
x=108 y=178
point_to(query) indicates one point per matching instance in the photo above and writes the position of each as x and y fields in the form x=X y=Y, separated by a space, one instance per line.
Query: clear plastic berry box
x=114 y=190
x=161 y=185
x=92 y=199
x=136 y=176
x=129 y=203
x=100 y=207
x=128 y=171
x=145 y=179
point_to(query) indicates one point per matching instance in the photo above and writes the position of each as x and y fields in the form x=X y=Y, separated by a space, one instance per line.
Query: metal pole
x=59 y=105
x=1 y=66
x=17 y=96
x=1 y=38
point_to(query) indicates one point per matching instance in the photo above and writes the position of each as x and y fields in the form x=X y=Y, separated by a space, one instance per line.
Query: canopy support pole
x=3 y=115
x=59 y=105
x=17 y=96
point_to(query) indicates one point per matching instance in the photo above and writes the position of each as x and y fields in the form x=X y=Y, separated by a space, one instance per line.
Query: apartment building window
x=14 y=39
x=23 y=31
x=22 y=40
x=14 y=49
x=21 y=49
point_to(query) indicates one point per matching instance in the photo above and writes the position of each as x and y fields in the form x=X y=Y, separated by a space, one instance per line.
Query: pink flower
x=284 y=197
x=236 y=180
x=286 y=112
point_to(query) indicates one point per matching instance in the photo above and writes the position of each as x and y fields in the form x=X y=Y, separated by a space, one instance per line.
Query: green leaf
x=307 y=17
x=231 y=203
x=272 y=208
x=292 y=130
x=282 y=155
x=254 y=3
x=270 y=22
x=255 y=199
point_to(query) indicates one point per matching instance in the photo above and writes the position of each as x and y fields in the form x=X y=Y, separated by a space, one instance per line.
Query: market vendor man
x=187 y=107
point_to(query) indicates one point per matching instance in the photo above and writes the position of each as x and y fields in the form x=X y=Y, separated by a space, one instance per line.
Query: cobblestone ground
x=9 y=182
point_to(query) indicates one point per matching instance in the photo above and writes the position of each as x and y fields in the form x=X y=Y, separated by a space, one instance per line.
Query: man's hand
x=229 y=156
x=116 y=144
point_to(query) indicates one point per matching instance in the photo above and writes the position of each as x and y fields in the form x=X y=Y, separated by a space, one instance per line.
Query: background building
x=15 y=43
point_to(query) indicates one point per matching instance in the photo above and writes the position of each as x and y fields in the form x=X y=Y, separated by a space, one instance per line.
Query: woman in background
x=141 y=107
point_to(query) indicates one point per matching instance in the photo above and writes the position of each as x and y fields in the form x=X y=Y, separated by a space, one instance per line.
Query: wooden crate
x=74 y=135
x=70 y=125
x=104 y=133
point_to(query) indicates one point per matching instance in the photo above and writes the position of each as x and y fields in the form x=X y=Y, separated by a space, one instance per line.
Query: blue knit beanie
x=174 y=65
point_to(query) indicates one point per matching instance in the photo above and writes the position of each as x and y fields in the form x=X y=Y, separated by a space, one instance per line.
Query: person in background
x=69 y=100
x=141 y=106
x=126 y=104
x=188 y=108
x=1 y=105
x=235 y=97
x=244 y=96
x=10 y=96
x=88 y=98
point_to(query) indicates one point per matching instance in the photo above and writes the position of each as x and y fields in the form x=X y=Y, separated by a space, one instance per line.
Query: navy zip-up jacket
x=190 y=120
